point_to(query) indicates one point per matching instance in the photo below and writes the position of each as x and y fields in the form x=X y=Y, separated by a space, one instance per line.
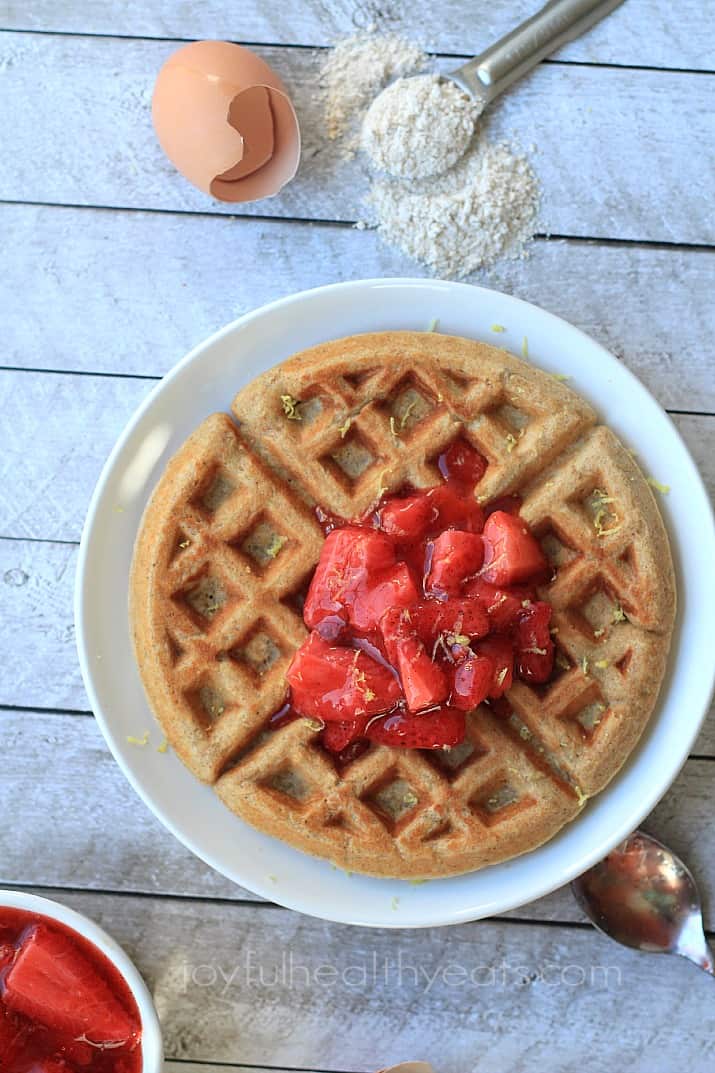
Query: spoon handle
x=559 y=21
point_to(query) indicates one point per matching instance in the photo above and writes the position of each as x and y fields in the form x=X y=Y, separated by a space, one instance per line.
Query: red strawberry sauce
x=418 y=612
x=64 y=1007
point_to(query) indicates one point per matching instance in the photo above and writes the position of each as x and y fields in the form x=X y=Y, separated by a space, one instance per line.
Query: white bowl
x=152 y=1052
x=205 y=381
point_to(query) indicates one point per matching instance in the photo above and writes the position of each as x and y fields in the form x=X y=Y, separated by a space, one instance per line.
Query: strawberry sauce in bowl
x=70 y=999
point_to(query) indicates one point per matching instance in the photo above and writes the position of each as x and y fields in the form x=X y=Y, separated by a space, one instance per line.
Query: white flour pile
x=482 y=206
x=355 y=72
x=418 y=127
x=481 y=210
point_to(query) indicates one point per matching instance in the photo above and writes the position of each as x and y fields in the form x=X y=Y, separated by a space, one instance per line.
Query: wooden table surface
x=113 y=267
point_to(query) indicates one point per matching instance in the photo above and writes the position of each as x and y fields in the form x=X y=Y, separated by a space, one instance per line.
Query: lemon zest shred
x=662 y=488
x=602 y=664
x=510 y=442
x=618 y=614
x=393 y=428
x=345 y=428
x=275 y=545
x=382 y=488
x=395 y=903
x=497 y=328
x=164 y=747
x=561 y=376
x=139 y=741
x=406 y=415
x=584 y=665
x=525 y=347
x=289 y=405
x=433 y=324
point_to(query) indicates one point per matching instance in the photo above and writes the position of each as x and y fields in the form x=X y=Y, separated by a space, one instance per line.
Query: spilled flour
x=480 y=210
x=355 y=72
x=453 y=201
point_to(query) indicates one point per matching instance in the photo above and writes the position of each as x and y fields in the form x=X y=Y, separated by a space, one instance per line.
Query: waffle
x=228 y=544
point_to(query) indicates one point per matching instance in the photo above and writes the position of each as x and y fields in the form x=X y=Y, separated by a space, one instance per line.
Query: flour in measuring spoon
x=419 y=127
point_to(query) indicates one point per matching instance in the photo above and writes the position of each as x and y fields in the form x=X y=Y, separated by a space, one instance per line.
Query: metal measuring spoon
x=510 y=58
x=421 y=126
x=644 y=897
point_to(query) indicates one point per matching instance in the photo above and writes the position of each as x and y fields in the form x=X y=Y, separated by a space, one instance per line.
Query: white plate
x=205 y=381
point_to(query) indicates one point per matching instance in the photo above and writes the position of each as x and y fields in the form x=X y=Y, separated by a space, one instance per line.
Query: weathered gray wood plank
x=610 y=153
x=73 y=421
x=240 y=983
x=640 y=33
x=159 y=284
x=109 y=841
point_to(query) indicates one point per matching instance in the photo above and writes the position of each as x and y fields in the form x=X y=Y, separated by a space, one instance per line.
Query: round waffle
x=228 y=544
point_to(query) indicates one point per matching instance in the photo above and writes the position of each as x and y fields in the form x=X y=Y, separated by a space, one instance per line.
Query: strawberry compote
x=419 y=612
x=64 y=1008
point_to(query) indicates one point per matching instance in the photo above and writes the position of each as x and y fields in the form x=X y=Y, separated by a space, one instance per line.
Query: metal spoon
x=559 y=21
x=483 y=79
x=644 y=897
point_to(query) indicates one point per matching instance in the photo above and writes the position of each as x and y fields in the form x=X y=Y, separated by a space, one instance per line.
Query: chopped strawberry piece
x=458 y=616
x=503 y=606
x=423 y=682
x=340 y=684
x=350 y=557
x=534 y=647
x=511 y=553
x=438 y=729
x=455 y=510
x=498 y=649
x=462 y=464
x=337 y=736
x=455 y=557
x=396 y=588
x=407 y=519
x=472 y=682
x=53 y=984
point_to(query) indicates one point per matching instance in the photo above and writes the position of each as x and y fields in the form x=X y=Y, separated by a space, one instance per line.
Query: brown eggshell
x=409 y=1067
x=225 y=121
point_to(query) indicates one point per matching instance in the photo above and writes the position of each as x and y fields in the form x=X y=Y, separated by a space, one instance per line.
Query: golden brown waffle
x=228 y=544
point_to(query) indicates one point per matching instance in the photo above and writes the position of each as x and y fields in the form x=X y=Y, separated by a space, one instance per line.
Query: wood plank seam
x=348 y=225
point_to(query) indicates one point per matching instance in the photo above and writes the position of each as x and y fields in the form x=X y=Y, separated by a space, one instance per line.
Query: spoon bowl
x=643 y=896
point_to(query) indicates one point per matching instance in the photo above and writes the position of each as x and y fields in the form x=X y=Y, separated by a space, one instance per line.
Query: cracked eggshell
x=409 y=1067
x=224 y=119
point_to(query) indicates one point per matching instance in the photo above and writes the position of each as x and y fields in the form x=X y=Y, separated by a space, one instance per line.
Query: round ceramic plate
x=205 y=381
